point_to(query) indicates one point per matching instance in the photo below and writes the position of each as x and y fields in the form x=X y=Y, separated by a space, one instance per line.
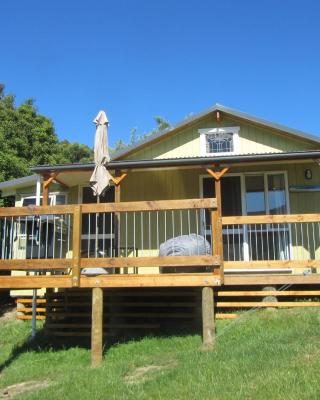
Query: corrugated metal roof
x=217 y=107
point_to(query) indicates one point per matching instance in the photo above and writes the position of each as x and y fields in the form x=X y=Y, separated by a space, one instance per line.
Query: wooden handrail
x=270 y=219
x=152 y=205
x=36 y=210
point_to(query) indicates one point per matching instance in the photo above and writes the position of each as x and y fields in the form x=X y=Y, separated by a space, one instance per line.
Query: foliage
x=162 y=124
x=28 y=138
x=72 y=152
x=262 y=355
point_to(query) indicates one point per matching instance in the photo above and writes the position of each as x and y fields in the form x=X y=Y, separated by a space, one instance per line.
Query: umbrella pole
x=97 y=230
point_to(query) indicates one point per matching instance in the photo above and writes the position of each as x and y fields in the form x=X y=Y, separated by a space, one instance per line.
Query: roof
x=8 y=188
x=217 y=107
x=188 y=161
x=19 y=182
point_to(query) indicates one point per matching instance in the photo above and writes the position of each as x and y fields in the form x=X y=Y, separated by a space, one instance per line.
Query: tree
x=162 y=124
x=73 y=152
x=28 y=138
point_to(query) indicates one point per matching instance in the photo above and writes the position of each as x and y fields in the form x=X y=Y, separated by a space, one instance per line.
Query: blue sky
x=137 y=59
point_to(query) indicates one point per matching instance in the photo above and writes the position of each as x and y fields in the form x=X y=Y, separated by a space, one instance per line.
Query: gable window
x=218 y=141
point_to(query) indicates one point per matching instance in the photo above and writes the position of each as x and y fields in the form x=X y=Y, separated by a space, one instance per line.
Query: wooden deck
x=268 y=250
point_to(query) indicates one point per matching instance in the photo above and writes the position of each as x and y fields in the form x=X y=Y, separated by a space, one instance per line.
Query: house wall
x=253 y=139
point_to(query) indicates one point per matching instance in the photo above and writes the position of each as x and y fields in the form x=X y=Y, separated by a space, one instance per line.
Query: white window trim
x=52 y=197
x=225 y=129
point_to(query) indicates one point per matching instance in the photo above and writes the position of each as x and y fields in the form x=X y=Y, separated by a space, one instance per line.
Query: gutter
x=182 y=162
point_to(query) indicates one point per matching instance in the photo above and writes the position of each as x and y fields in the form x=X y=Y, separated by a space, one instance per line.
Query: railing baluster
x=158 y=244
x=54 y=236
x=262 y=249
x=11 y=239
x=134 y=229
x=198 y=250
x=127 y=236
x=149 y=232
x=32 y=237
x=61 y=235
x=141 y=226
x=104 y=234
x=89 y=234
x=308 y=241
x=228 y=244
x=314 y=242
x=111 y=235
x=69 y=226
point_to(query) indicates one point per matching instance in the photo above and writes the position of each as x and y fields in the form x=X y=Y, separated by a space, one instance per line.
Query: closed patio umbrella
x=100 y=179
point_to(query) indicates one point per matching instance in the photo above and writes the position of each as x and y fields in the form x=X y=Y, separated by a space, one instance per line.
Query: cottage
x=248 y=188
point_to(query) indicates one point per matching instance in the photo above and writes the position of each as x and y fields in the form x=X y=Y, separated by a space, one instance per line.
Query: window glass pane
x=60 y=199
x=255 y=200
x=29 y=202
x=231 y=196
x=277 y=194
x=219 y=142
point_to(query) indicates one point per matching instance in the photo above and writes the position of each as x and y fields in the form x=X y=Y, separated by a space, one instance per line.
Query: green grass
x=264 y=355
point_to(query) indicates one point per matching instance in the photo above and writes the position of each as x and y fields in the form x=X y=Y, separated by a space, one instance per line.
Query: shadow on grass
x=42 y=342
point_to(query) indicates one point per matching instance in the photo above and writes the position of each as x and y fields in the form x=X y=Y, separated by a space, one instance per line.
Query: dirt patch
x=142 y=374
x=8 y=315
x=14 y=390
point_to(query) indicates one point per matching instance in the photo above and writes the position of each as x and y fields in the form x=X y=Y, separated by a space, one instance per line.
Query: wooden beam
x=112 y=262
x=36 y=210
x=36 y=264
x=272 y=264
x=97 y=327
x=50 y=179
x=167 y=261
x=45 y=190
x=113 y=281
x=264 y=304
x=118 y=179
x=153 y=205
x=208 y=328
x=217 y=227
x=271 y=279
x=260 y=293
x=269 y=219
x=217 y=175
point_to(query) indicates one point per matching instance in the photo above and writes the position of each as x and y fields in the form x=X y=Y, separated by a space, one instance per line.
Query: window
x=219 y=141
x=54 y=200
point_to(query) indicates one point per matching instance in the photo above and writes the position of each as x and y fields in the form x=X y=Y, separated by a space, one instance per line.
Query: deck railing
x=117 y=237
x=274 y=242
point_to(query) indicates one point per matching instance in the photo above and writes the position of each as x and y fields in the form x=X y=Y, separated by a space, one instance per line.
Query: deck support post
x=208 y=324
x=216 y=218
x=45 y=190
x=97 y=327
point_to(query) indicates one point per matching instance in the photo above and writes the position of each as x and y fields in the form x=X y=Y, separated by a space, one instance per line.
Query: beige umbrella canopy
x=100 y=179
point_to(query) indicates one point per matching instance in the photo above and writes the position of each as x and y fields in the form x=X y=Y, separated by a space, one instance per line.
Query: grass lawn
x=263 y=355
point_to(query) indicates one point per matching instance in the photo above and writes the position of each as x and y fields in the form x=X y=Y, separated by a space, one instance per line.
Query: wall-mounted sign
x=305 y=188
